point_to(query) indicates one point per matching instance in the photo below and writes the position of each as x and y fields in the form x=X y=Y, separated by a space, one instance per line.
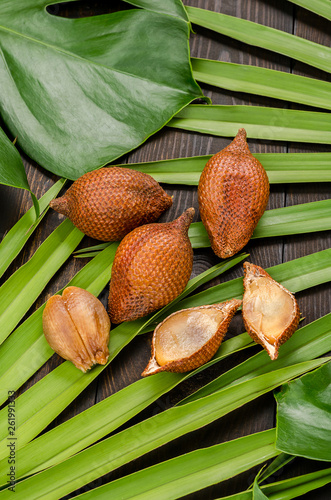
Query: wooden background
x=170 y=143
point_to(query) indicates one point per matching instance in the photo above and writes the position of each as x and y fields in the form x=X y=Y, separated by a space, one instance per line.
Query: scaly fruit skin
x=151 y=268
x=233 y=193
x=107 y=204
x=253 y=271
x=202 y=355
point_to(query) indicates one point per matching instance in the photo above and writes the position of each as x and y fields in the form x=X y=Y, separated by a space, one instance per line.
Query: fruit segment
x=270 y=312
x=152 y=266
x=107 y=204
x=189 y=338
x=76 y=326
x=233 y=194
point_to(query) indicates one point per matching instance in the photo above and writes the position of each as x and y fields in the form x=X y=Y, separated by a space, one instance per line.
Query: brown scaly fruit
x=270 y=312
x=189 y=338
x=233 y=193
x=107 y=204
x=152 y=266
x=76 y=326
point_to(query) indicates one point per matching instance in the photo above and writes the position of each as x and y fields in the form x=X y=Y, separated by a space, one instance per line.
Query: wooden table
x=170 y=143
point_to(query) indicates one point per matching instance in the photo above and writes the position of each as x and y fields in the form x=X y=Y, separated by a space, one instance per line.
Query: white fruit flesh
x=185 y=333
x=268 y=308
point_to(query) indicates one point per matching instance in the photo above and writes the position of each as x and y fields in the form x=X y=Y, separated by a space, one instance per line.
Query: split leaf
x=278 y=463
x=257 y=493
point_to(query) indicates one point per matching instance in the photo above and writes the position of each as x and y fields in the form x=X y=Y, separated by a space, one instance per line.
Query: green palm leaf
x=263 y=81
x=280 y=167
x=148 y=435
x=256 y=34
x=15 y=239
x=321 y=7
x=191 y=472
x=40 y=404
x=23 y=287
x=84 y=429
x=260 y=122
x=294 y=487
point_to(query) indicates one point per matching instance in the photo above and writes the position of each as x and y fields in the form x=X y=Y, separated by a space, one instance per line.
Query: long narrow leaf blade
x=297 y=219
x=26 y=349
x=60 y=386
x=309 y=342
x=145 y=436
x=99 y=420
x=279 y=462
x=320 y=7
x=19 y=292
x=263 y=81
x=296 y=275
x=16 y=238
x=258 y=35
x=280 y=167
x=191 y=472
x=274 y=124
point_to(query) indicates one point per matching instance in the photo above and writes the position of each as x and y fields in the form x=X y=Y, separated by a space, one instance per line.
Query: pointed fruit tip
x=152 y=368
x=101 y=357
x=60 y=205
x=241 y=133
x=239 y=143
x=186 y=218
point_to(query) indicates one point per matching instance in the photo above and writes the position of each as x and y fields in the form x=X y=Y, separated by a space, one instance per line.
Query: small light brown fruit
x=270 y=312
x=233 y=193
x=189 y=338
x=151 y=268
x=107 y=204
x=76 y=326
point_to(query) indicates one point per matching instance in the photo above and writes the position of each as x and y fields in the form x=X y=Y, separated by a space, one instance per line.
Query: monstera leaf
x=79 y=93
